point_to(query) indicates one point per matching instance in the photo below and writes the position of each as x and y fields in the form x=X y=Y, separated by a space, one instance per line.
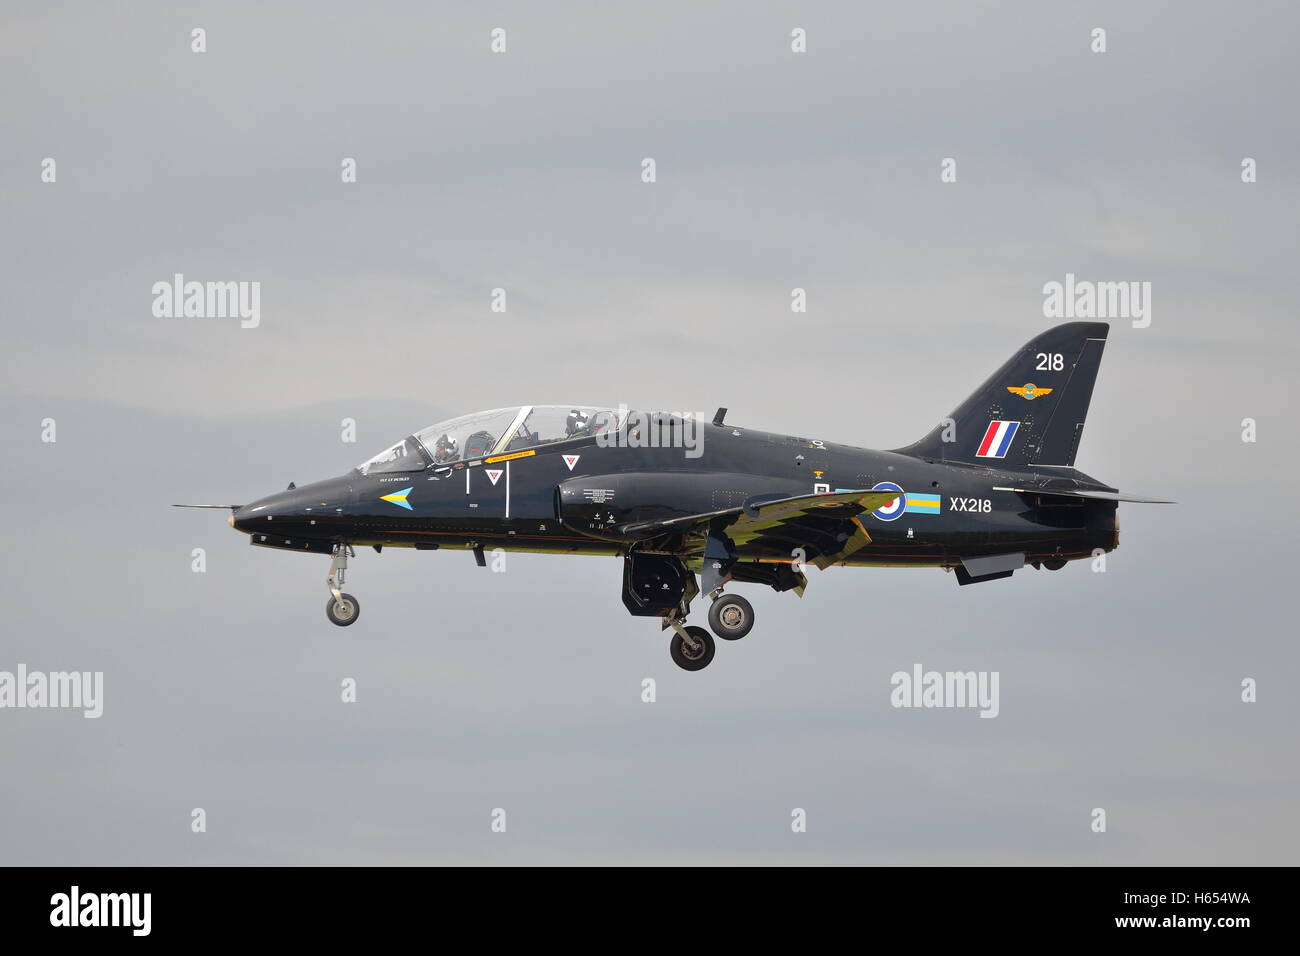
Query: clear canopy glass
x=497 y=431
x=470 y=436
x=544 y=424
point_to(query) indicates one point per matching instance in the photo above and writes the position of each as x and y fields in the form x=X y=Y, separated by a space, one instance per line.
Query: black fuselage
x=538 y=502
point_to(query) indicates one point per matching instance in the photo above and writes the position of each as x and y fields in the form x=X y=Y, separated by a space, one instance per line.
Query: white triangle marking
x=571 y=460
x=493 y=474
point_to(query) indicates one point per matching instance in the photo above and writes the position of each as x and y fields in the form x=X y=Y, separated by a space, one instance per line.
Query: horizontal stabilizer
x=1089 y=493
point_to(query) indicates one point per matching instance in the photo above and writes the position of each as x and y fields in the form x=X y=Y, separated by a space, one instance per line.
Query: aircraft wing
x=824 y=526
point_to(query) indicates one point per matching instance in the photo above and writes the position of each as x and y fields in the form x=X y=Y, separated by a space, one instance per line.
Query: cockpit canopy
x=495 y=432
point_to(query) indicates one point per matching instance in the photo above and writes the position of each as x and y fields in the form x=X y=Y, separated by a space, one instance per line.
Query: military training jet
x=991 y=489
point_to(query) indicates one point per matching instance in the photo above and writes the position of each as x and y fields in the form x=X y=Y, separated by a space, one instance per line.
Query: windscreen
x=406 y=455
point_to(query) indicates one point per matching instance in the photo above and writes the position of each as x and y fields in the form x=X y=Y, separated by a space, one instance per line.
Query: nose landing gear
x=342 y=609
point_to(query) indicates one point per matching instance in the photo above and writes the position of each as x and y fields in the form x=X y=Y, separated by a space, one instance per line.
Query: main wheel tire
x=693 y=660
x=1054 y=564
x=731 y=617
x=343 y=612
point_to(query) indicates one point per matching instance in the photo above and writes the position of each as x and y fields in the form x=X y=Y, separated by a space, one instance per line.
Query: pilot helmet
x=577 y=422
x=445 y=448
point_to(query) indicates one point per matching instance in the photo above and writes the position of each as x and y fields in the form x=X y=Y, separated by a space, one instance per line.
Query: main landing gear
x=342 y=609
x=660 y=585
x=730 y=616
x=692 y=648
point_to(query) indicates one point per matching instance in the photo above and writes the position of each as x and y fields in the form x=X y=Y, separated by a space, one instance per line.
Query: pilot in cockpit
x=445 y=449
x=578 y=423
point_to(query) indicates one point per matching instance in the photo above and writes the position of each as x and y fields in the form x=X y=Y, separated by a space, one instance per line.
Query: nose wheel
x=342 y=609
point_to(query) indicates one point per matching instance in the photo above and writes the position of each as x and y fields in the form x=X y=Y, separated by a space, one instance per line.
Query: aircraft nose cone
x=295 y=511
x=241 y=520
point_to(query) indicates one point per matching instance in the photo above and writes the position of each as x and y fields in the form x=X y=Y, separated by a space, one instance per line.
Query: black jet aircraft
x=990 y=490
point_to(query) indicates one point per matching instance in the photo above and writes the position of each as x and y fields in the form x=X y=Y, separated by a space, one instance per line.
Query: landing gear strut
x=342 y=609
x=730 y=615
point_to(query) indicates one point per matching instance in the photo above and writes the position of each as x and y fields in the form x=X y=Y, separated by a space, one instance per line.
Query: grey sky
x=522 y=690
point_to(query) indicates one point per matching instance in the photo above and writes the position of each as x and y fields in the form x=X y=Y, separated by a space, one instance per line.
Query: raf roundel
x=896 y=507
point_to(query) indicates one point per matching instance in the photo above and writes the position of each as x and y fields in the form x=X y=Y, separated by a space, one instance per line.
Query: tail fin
x=1031 y=411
